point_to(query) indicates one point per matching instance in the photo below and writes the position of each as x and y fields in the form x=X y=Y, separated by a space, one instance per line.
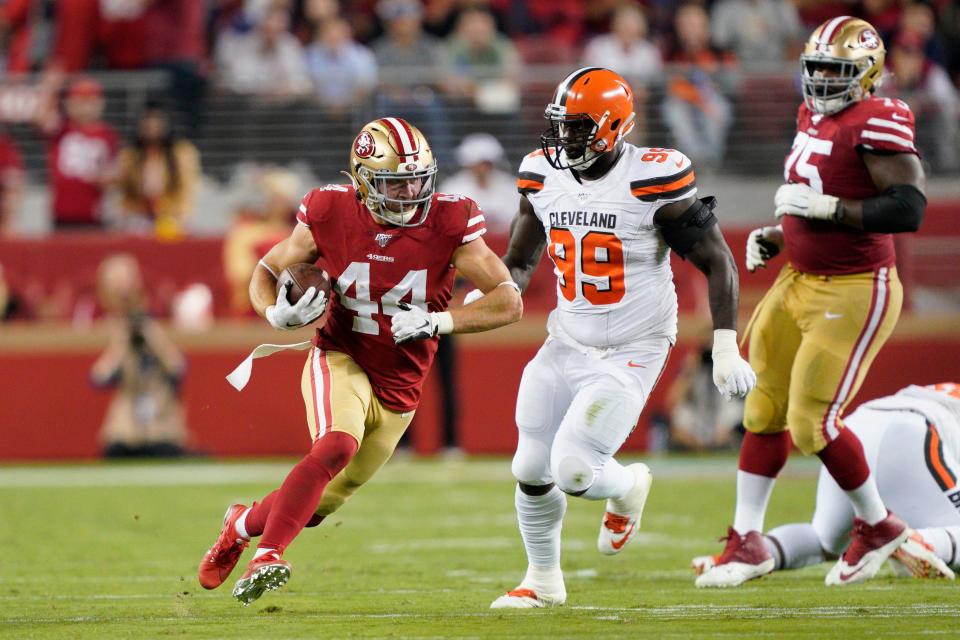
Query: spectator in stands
x=175 y=43
x=696 y=109
x=87 y=33
x=265 y=214
x=484 y=64
x=344 y=72
x=11 y=185
x=699 y=418
x=81 y=157
x=926 y=87
x=146 y=417
x=412 y=65
x=310 y=16
x=761 y=33
x=481 y=178
x=157 y=176
x=626 y=49
x=268 y=62
x=559 y=22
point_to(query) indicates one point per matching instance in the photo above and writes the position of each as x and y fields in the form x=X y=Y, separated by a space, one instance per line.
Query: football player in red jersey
x=392 y=247
x=853 y=179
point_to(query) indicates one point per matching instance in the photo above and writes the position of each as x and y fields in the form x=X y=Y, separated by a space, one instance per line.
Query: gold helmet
x=841 y=64
x=393 y=171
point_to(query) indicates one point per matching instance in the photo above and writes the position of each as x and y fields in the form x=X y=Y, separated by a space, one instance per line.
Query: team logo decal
x=869 y=39
x=383 y=238
x=363 y=146
x=411 y=167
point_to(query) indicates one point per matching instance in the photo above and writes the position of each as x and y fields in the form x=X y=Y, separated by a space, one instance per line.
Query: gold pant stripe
x=878 y=309
x=338 y=397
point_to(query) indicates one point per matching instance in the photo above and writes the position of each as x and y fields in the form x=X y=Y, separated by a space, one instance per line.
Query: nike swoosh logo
x=679 y=163
x=846 y=576
x=832 y=316
x=626 y=536
x=896 y=117
x=631 y=363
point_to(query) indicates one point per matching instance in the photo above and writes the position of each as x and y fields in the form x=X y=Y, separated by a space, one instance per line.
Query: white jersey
x=939 y=404
x=614 y=281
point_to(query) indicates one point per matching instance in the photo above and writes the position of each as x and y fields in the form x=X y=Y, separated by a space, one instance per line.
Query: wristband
x=444 y=322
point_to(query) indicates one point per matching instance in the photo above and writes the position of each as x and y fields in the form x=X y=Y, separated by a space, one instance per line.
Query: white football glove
x=760 y=248
x=413 y=323
x=806 y=202
x=285 y=316
x=472 y=296
x=731 y=373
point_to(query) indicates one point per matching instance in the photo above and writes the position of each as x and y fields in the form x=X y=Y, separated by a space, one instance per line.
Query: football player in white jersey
x=608 y=214
x=912 y=444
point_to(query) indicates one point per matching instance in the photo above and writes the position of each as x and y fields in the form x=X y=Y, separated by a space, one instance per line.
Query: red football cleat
x=869 y=549
x=743 y=558
x=223 y=556
x=266 y=573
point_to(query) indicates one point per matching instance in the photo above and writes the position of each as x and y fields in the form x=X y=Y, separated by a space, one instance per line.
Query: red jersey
x=826 y=155
x=373 y=266
x=77 y=158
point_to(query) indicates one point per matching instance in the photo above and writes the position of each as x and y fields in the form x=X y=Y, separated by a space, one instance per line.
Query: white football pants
x=576 y=407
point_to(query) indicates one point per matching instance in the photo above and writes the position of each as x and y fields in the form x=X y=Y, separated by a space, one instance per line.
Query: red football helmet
x=591 y=111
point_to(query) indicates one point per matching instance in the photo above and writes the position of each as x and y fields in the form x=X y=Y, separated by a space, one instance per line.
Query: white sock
x=540 y=519
x=613 y=481
x=945 y=542
x=794 y=546
x=753 y=494
x=241 y=525
x=866 y=502
x=262 y=552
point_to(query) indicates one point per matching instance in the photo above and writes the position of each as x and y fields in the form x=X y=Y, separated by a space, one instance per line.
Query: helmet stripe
x=831 y=28
x=565 y=86
x=403 y=135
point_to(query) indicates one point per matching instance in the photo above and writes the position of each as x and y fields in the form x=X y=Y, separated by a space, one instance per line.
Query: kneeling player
x=393 y=266
x=912 y=444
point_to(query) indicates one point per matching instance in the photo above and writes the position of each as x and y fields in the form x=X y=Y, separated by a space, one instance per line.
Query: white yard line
x=403 y=471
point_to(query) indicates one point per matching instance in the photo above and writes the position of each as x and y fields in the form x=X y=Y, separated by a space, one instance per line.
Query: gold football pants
x=338 y=397
x=812 y=341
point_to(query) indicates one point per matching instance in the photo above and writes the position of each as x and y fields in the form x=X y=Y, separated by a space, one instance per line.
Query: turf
x=109 y=551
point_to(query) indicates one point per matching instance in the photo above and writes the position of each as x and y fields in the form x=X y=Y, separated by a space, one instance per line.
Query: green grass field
x=110 y=551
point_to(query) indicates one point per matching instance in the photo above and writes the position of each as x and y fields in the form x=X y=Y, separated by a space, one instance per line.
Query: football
x=302 y=276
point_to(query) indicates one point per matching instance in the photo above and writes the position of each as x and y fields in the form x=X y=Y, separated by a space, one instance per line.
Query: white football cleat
x=622 y=518
x=869 y=548
x=702 y=564
x=540 y=588
x=522 y=598
x=915 y=558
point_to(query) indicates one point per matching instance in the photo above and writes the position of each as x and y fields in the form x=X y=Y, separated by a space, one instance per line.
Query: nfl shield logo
x=383 y=239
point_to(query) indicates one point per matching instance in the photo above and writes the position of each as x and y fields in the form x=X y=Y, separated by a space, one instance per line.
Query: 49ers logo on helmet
x=869 y=39
x=363 y=146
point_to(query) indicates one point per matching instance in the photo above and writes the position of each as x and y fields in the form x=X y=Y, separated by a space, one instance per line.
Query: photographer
x=145 y=417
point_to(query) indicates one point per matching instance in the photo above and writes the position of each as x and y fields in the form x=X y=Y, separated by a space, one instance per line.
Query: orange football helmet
x=842 y=63
x=591 y=111
x=394 y=171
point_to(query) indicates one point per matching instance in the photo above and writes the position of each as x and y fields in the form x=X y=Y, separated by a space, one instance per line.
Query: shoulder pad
x=662 y=174
x=534 y=169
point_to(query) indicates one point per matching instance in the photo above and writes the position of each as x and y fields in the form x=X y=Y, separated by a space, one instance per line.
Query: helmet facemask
x=832 y=84
x=392 y=199
x=571 y=142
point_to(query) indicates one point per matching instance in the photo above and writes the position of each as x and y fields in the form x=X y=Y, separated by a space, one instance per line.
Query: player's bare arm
x=527 y=242
x=501 y=303
x=299 y=246
x=706 y=249
x=690 y=229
